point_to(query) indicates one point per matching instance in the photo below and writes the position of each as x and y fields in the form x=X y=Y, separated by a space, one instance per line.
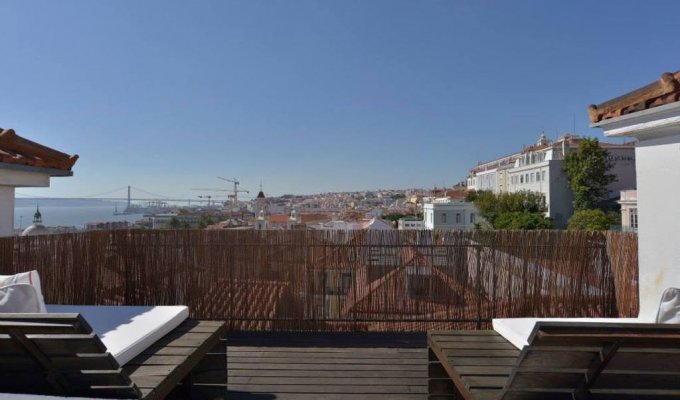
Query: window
x=443 y=218
x=472 y=218
x=543 y=175
x=633 y=219
x=532 y=177
x=458 y=218
x=538 y=176
x=521 y=179
x=526 y=178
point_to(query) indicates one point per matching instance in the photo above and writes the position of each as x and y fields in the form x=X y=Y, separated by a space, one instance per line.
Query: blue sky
x=313 y=96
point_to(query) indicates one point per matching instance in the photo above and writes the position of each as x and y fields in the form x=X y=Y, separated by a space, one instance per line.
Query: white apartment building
x=540 y=168
x=410 y=224
x=629 y=211
x=491 y=175
x=446 y=214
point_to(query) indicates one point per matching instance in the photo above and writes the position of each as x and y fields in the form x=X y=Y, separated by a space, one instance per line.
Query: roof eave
x=52 y=172
x=657 y=119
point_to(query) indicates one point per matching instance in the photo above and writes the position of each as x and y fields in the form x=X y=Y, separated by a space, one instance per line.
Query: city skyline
x=311 y=97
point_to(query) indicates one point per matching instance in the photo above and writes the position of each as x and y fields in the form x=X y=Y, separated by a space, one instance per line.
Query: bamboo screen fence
x=336 y=280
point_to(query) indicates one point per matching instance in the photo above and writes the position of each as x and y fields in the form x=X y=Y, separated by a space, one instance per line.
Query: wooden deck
x=332 y=366
x=184 y=352
x=469 y=364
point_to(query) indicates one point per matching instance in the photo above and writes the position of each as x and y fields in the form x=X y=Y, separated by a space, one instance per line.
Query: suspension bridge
x=128 y=197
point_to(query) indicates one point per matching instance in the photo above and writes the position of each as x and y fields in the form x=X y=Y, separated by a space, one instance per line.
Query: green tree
x=589 y=220
x=394 y=217
x=587 y=170
x=522 y=220
x=174 y=223
x=491 y=206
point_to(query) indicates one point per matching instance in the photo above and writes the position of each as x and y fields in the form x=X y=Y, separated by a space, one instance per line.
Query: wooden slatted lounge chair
x=59 y=354
x=563 y=360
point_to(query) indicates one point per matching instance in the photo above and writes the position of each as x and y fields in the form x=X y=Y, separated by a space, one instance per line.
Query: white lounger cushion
x=518 y=330
x=128 y=330
x=19 y=298
x=29 y=278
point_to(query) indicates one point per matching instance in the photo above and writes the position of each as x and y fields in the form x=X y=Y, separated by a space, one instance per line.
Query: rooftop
x=664 y=91
x=18 y=150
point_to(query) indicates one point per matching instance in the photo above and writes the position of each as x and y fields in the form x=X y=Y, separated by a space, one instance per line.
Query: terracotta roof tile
x=310 y=218
x=278 y=218
x=664 y=91
x=252 y=303
x=15 y=149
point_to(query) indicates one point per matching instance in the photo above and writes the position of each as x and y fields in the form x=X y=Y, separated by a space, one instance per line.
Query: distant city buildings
x=540 y=168
x=410 y=224
x=109 y=225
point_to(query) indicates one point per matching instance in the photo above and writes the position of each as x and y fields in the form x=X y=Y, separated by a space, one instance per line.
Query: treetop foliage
x=587 y=170
x=589 y=220
x=519 y=210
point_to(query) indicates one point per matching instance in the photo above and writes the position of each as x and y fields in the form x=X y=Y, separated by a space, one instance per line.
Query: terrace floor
x=332 y=366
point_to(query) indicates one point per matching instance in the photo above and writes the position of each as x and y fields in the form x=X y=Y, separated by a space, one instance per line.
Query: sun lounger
x=563 y=360
x=61 y=354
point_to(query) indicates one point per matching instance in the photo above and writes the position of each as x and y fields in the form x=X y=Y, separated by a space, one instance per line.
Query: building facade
x=410 y=224
x=446 y=214
x=540 y=169
x=629 y=213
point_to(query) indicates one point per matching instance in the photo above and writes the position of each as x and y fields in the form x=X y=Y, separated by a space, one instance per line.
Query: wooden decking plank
x=235 y=395
x=339 y=381
x=493 y=353
x=478 y=346
x=157 y=373
x=484 y=370
x=323 y=354
x=477 y=362
x=167 y=351
x=483 y=361
x=323 y=389
x=316 y=349
x=299 y=360
x=333 y=372
x=459 y=332
x=330 y=367
x=286 y=373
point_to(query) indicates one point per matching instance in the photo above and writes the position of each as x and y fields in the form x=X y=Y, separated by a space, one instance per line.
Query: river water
x=76 y=213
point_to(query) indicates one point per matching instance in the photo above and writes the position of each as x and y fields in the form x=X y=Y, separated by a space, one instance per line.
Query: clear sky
x=313 y=96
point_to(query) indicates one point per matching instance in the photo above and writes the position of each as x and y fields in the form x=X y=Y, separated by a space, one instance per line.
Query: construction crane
x=211 y=197
x=206 y=197
x=236 y=191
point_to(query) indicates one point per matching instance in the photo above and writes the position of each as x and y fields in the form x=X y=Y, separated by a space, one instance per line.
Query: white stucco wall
x=658 y=176
x=6 y=210
x=658 y=162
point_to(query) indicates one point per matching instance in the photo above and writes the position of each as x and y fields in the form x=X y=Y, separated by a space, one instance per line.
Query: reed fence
x=337 y=280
